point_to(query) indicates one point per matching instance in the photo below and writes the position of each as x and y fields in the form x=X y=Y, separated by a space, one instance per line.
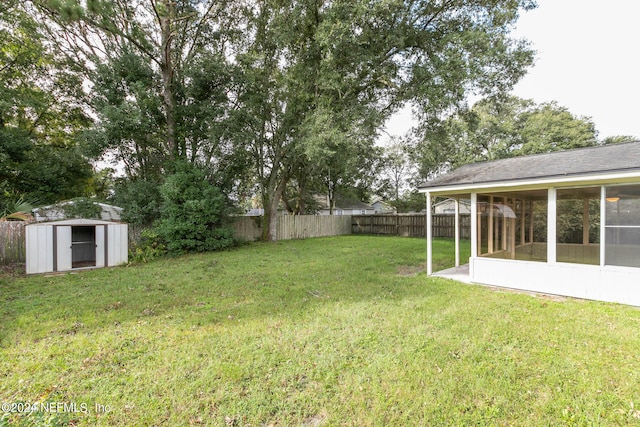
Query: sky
x=588 y=60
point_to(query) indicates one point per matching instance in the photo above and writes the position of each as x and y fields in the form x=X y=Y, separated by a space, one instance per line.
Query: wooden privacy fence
x=12 y=242
x=291 y=227
x=410 y=225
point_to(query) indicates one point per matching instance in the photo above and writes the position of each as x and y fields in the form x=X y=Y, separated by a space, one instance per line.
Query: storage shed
x=75 y=244
x=564 y=223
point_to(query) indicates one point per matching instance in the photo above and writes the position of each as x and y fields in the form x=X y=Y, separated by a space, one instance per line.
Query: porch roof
x=556 y=166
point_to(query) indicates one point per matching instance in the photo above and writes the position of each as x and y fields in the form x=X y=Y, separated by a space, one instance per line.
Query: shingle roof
x=341 y=203
x=581 y=161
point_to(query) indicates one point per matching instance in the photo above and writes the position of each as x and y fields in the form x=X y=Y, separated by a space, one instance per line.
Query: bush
x=149 y=247
x=193 y=213
x=140 y=201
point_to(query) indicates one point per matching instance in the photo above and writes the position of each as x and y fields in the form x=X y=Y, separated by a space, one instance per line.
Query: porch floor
x=461 y=274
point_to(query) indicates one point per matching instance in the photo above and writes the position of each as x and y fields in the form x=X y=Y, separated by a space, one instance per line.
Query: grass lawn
x=322 y=332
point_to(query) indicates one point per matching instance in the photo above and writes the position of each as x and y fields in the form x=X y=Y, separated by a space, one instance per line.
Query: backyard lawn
x=321 y=332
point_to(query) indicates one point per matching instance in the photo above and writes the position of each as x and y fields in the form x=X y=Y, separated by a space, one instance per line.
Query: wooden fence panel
x=12 y=242
x=247 y=228
x=294 y=226
x=308 y=226
x=410 y=225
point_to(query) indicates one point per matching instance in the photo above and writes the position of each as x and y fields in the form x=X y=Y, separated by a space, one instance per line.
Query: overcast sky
x=588 y=52
x=588 y=57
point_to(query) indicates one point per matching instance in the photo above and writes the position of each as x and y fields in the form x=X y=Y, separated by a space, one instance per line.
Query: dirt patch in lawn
x=410 y=270
x=12 y=270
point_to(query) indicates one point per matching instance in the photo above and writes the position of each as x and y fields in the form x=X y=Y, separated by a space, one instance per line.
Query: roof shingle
x=581 y=161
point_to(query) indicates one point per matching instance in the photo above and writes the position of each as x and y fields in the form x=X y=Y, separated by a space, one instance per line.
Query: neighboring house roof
x=582 y=161
x=343 y=203
x=383 y=207
x=56 y=212
x=451 y=201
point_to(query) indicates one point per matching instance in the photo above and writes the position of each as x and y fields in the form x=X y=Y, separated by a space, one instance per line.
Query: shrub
x=140 y=201
x=193 y=213
x=149 y=247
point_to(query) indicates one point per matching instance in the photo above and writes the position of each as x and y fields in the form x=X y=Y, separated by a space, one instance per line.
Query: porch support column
x=551 y=226
x=522 y=221
x=503 y=237
x=490 y=227
x=585 y=221
x=474 y=225
x=429 y=235
x=603 y=221
x=531 y=221
x=457 y=230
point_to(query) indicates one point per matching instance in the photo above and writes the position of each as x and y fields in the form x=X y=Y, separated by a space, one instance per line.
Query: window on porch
x=578 y=225
x=622 y=226
x=513 y=225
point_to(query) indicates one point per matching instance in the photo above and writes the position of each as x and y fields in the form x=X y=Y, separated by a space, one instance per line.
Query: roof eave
x=582 y=179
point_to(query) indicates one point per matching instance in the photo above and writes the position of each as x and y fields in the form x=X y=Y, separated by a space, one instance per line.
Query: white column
x=474 y=225
x=490 y=227
x=429 y=233
x=551 y=226
x=603 y=219
x=457 y=230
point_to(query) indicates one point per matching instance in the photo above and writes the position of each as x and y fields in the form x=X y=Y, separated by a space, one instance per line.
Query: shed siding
x=63 y=247
x=117 y=241
x=39 y=256
x=49 y=246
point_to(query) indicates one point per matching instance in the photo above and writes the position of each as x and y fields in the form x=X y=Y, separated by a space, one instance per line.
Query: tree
x=397 y=170
x=193 y=213
x=41 y=116
x=319 y=73
x=161 y=79
x=496 y=128
x=551 y=127
x=618 y=139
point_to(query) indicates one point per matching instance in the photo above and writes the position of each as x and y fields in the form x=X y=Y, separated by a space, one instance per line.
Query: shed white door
x=63 y=247
x=39 y=249
x=100 y=245
x=117 y=244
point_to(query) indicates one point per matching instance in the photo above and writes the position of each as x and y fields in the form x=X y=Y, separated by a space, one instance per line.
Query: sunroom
x=564 y=223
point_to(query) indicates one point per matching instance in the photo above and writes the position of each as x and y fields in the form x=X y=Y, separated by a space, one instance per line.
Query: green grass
x=335 y=331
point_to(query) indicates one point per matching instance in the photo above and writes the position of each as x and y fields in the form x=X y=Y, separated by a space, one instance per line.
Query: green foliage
x=140 y=201
x=497 y=128
x=41 y=113
x=82 y=207
x=193 y=213
x=15 y=207
x=618 y=139
x=409 y=202
x=150 y=247
x=323 y=77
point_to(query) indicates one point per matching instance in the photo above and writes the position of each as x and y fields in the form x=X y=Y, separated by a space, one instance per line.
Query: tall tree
x=321 y=72
x=496 y=128
x=41 y=115
x=397 y=170
x=160 y=76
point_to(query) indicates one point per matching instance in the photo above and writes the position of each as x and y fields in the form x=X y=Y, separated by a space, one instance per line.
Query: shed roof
x=56 y=212
x=581 y=161
x=73 y=222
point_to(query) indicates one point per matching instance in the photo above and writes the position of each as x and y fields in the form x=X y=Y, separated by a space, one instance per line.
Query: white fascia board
x=533 y=184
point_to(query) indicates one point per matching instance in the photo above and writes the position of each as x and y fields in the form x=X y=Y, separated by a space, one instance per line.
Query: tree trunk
x=270 y=221
x=168 y=76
